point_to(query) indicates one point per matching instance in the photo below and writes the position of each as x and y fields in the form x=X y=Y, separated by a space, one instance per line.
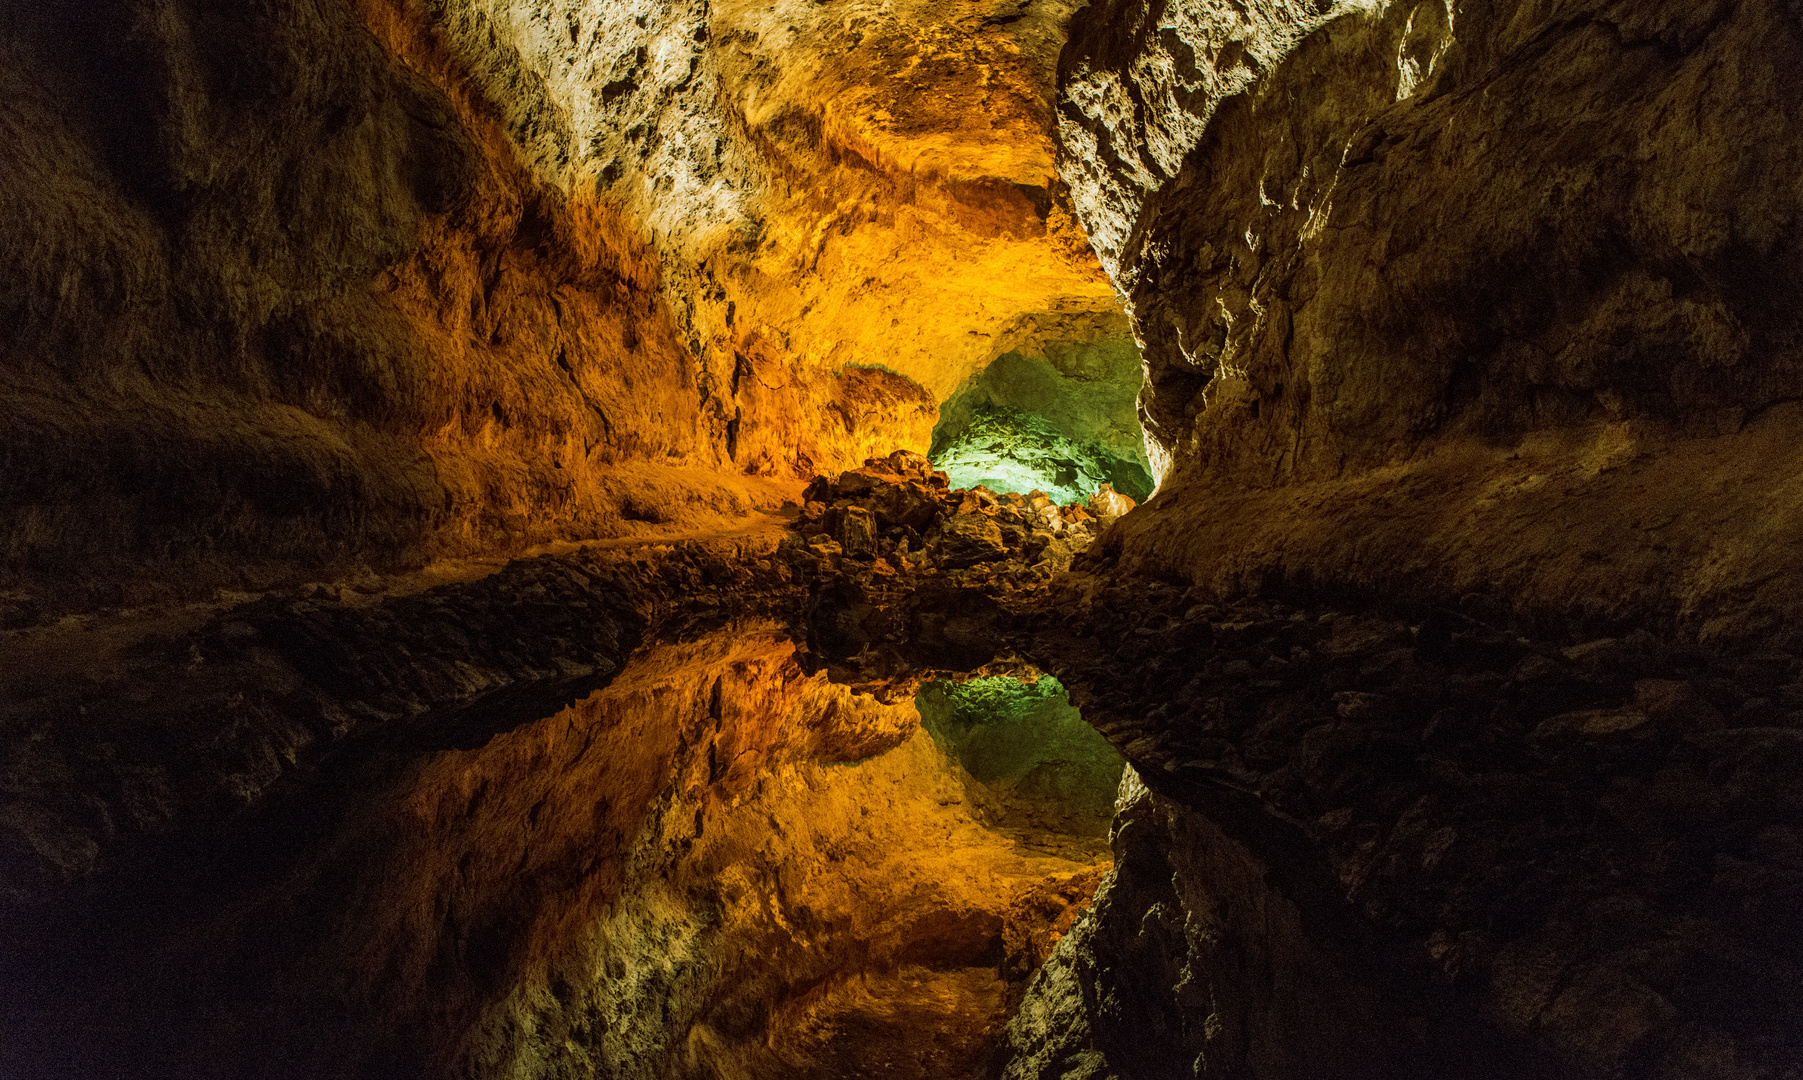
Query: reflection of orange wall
x=495 y=862
x=818 y=836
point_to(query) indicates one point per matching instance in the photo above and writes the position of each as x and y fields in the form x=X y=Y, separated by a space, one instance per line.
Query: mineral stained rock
x=1458 y=297
x=303 y=288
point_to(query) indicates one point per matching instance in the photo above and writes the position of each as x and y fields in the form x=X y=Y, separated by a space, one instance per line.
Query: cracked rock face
x=1516 y=262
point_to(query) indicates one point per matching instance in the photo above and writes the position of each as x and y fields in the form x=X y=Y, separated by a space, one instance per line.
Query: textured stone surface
x=304 y=288
x=1527 y=858
x=1457 y=297
x=278 y=305
x=1080 y=374
x=866 y=185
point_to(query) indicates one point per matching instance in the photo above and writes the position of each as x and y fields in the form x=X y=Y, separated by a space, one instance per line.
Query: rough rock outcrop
x=1081 y=376
x=278 y=305
x=946 y=581
x=1519 y=859
x=1458 y=297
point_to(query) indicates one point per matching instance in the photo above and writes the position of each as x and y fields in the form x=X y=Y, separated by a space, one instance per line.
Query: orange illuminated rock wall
x=308 y=287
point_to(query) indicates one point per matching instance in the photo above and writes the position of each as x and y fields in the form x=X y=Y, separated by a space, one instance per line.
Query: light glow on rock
x=1005 y=449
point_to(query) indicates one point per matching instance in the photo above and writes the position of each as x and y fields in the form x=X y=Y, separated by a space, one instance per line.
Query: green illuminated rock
x=1027 y=745
x=1058 y=413
x=1006 y=449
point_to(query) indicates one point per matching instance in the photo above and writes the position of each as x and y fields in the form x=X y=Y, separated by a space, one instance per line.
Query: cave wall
x=303 y=289
x=1473 y=313
x=277 y=303
x=1445 y=298
x=1502 y=856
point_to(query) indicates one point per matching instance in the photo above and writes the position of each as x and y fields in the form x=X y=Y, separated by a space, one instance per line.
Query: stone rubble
x=909 y=577
x=901 y=510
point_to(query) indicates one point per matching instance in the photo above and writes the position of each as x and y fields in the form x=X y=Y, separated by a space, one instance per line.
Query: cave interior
x=964 y=540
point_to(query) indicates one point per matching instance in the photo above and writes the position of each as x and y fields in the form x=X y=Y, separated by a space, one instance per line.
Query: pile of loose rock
x=899 y=515
x=908 y=577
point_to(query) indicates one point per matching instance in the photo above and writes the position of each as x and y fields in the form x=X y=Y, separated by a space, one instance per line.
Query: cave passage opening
x=1058 y=416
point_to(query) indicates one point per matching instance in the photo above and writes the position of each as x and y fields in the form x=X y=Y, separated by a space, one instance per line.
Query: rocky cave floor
x=1514 y=854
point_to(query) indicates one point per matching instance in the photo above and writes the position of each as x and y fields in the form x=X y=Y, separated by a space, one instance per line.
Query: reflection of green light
x=1024 y=738
x=1004 y=449
x=999 y=699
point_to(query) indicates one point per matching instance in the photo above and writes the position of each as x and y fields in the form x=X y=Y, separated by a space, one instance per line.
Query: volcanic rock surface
x=300 y=290
x=445 y=628
x=1441 y=298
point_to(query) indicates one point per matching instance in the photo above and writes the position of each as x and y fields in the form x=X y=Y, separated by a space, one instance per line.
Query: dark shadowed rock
x=966 y=539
